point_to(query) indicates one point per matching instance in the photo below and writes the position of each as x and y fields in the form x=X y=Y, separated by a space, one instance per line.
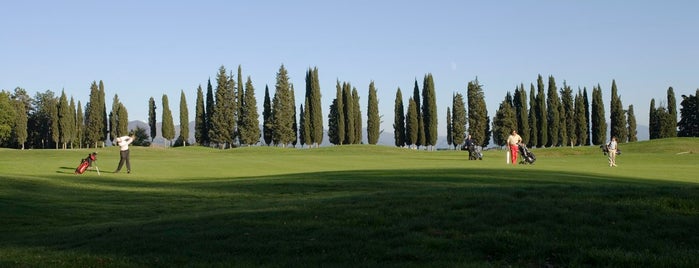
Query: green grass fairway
x=352 y=206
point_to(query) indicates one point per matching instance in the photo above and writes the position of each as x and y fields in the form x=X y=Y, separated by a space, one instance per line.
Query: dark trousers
x=124 y=157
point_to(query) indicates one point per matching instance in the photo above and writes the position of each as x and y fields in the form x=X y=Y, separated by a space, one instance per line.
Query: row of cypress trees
x=418 y=125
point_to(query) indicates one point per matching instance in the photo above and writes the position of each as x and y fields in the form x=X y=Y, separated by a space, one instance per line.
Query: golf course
x=352 y=206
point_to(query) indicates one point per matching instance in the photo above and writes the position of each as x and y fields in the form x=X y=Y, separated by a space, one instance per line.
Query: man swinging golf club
x=123 y=143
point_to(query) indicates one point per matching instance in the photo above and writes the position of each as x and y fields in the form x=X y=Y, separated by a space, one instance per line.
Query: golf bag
x=605 y=149
x=527 y=156
x=87 y=162
x=475 y=152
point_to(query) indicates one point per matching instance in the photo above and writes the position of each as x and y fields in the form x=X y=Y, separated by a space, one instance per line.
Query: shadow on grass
x=356 y=218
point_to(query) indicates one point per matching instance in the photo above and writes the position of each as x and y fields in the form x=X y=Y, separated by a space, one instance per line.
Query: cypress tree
x=152 y=122
x=688 y=126
x=631 y=119
x=553 y=116
x=672 y=111
x=303 y=125
x=123 y=116
x=294 y=126
x=533 y=123
x=450 y=136
x=478 y=120
x=568 y=122
x=79 y=126
x=597 y=117
x=241 y=100
x=267 y=118
x=54 y=124
x=357 y=117
x=219 y=133
x=168 y=127
x=93 y=124
x=458 y=120
x=579 y=135
x=504 y=122
x=73 y=123
x=340 y=114
x=103 y=109
x=522 y=112
x=429 y=111
x=333 y=123
x=65 y=120
x=653 y=122
x=282 y=110
x=542 y=114
x=184 y=119
x=420 y=120
x=210 y=105
x=250 y=123
x=348 y=112
x=314 y=108
x=373 y=120
x=199 y=118
x=411 y=124
x=398 y=120
x=586 y=102
x=231 y=110
x=114 y=120
x=618 y=116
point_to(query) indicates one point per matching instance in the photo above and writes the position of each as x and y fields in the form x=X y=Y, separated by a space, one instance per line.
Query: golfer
x=513 y=142
x=612 y=146
x=123 y=143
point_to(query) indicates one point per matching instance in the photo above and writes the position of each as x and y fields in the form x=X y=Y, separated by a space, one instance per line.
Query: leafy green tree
x=399 y=120
x=553 y=115
x=579 y=135
x=184 y=119
x=689 y=124
x=267 y=118
x=19 y=132
x=168 y=126
x=357 y=117
x=597 y=117
x=458 y=119
x=672 y=112
x=522 y=113
x=618 y=116
x=450 y=135
x=429 y=111
x=7 y=117
x=542 y=114
x=220 y=131
x=478 y=120
x=283 y=110
x=504 y=122
x=411 y=124
x=533 y=123
x=200 y=130
x=54 y=123
x=66 y=120
x=568 y=116
x=141 y=137
x=631 y=119
x=250 y=123
x=373 y=123
x=152 y=124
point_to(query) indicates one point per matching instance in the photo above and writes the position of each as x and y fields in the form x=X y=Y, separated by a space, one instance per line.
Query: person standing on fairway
x=513 y=143
x=612 y=147
x=123 y=143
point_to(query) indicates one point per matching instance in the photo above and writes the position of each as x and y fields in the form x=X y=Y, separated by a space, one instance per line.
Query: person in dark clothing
x=123 y=143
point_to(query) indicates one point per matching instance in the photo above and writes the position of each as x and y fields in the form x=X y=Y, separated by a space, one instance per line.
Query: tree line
x=227 y=116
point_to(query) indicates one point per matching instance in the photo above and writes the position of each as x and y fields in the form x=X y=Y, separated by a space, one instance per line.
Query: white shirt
x=124 y=142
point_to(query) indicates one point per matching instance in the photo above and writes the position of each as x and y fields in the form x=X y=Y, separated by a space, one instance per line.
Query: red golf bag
x=85 y=163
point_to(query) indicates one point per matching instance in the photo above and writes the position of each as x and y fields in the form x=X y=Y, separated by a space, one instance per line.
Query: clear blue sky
x=150 y=48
